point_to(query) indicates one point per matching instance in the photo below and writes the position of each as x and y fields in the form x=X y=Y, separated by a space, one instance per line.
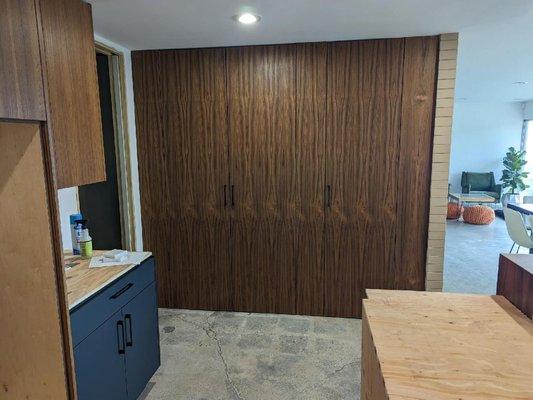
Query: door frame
x=119 y=104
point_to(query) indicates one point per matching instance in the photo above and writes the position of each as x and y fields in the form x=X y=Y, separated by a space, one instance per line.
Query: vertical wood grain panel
x=183 y=165
x=21 y=83
x=416 y=140
x=32 y=360
x=261 y=87
x=364 y=109
x=306 y=194
x=69 y=61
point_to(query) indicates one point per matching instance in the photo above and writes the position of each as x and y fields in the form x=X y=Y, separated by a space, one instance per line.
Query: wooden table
x=440 y=346
x=472 y=198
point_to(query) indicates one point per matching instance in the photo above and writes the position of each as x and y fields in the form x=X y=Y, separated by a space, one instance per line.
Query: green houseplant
x=513 y=174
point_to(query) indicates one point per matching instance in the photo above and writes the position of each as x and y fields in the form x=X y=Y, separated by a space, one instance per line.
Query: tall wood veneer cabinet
x=71 y=89
x=286 y=178
x=48 y=73
x=21 y=82
x=34 y=339
x=49 y=120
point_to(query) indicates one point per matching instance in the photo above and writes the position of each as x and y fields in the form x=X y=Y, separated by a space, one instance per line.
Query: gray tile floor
x=222 y=355
x=471 y=256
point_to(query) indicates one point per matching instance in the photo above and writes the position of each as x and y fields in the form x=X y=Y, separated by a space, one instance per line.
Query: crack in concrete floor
x=240 y=356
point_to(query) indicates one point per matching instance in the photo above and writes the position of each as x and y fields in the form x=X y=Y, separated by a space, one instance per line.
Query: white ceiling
x=496 y=45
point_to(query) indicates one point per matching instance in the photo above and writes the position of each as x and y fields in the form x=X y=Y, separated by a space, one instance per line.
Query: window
x=527 y=145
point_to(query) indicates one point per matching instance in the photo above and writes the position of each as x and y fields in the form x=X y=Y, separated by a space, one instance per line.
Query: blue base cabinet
x=116 y=337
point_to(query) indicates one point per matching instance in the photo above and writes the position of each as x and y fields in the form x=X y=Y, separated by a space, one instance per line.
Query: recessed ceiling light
x=520 y=83
x=247 y=18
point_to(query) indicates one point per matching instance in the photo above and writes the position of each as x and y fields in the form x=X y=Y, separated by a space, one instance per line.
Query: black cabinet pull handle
x=225 y=197
x=121 y=291
x=129 y=341
x=233 y=195
x=328 y=196
x=120 y=337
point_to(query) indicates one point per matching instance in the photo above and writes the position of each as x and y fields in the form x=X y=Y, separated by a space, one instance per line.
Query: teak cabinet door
x=21 y=82
x=381 y=97
x=69 y=63
x=183 y=168
x=364 y=111
x=261 y=114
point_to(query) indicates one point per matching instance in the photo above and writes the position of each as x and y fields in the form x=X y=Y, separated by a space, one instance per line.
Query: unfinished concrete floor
x=224 y=355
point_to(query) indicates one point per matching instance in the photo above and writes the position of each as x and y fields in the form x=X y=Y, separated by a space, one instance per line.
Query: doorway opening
x=108 y=205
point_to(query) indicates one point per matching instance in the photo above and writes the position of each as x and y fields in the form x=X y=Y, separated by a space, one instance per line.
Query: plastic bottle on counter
x=85 y=241
x=74 y=218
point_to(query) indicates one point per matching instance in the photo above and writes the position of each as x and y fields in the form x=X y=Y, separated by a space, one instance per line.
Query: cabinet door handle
x=328 y=196
x=233 y=195
x=128 y=321
x=225 y=196
x=121 y=291
x=120 y=337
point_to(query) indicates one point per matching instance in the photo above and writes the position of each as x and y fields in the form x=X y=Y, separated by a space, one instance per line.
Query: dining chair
x=516 y=228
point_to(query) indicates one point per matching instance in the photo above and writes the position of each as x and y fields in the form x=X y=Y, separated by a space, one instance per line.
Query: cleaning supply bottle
x=85 y=241
x=74 y=218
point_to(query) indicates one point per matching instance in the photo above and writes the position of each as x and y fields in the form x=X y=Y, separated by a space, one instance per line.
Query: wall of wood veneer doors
x=286 y=178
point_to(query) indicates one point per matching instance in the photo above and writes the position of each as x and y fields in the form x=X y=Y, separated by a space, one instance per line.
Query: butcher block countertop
x=436 y=346
x=82 y=282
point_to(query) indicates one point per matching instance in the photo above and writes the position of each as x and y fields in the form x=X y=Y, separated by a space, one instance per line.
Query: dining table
x=526 y=209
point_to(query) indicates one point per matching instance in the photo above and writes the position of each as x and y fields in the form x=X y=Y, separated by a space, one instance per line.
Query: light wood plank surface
x=83 y=282
x=449 y=346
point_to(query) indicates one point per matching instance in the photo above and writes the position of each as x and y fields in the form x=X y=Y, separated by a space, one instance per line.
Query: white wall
x=481 y=134
x=68 y=198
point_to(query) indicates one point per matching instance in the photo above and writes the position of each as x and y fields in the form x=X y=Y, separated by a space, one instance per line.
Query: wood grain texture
x=261 y=115
x=69 y=62
x=372 y=384
x=364 y=110
x=306 y=193
x=280 y=124
x=414 y=162
x=183 y=165
x=31 y=345
x=515 y=281
x=452 y=346
x=83 y=281
x=21 y=83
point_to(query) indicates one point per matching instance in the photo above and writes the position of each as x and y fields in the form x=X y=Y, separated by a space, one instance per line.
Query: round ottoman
x=478 y=215
x=454 y=211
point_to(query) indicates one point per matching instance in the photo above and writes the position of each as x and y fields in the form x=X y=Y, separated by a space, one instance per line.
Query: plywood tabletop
x=450 y=346
x=82 y=281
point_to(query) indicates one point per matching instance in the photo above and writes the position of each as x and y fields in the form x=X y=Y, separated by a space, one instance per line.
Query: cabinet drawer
x=88 y=316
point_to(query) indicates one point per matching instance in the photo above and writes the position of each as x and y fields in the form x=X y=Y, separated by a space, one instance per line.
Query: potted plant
x=513 y=175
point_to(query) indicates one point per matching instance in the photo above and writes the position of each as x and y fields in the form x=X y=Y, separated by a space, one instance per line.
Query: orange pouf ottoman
x=478 y=215
x=454 y=211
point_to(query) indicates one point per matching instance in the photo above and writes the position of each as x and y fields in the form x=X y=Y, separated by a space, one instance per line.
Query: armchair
x=481 y=183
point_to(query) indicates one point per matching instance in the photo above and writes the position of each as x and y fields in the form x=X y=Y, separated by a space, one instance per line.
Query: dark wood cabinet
x=21 y=82
x=313 y=161
x=364 y=110
x=184 y=181
x=71 y=85
x=261 y=114
x=48 y=73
